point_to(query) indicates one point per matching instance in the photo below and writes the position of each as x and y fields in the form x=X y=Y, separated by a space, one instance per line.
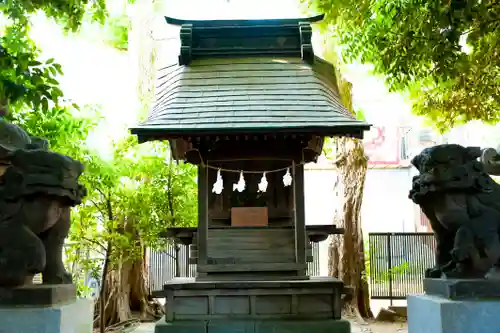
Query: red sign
x=383 y=145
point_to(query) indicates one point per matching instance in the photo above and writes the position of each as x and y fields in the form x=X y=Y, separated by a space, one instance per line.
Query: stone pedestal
x=455 y=306
x=436 y=314
x=45 y=309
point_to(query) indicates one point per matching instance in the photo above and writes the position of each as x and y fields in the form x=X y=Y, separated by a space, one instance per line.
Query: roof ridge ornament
x=306 y=48
x=186 y=36
x=230 y=38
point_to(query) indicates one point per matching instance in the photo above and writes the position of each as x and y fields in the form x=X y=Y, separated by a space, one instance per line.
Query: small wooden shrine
x=249 y=103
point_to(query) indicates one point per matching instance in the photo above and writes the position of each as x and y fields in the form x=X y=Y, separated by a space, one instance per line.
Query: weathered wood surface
x=203 y=220
x=254 y=267
x=253 y=307
x=251 y=246
x=277 y=198
x=250 y=292
x=251 y=276
x=191 y=283
x=316 y=298
x=193 y=255
x=315 y=233
x=299 y=215
x=249 y=216
x=252 y=251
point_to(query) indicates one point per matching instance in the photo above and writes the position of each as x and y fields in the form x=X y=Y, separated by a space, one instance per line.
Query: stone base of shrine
x=253 y=326
x=318 y=298
x=439 y=314
x=278 y=306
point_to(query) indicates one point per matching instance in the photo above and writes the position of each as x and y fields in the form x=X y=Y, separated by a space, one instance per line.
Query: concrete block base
x=253 y=326
x=73 y=317
x=436 y=314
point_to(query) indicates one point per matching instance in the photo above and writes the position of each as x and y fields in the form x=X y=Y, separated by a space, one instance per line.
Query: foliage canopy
x=25 y=81
x=446 y=55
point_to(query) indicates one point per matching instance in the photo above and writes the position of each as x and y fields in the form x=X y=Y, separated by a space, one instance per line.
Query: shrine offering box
x=249 y=217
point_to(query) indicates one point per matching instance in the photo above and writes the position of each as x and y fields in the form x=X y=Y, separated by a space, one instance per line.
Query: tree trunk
x=140 y=300
x=102 y=292
x=126 y=291
x=127 y=295
x=346 y=252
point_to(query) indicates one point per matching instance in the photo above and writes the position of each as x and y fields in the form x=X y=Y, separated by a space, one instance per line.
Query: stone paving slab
x=355 y=328
x=145 y=328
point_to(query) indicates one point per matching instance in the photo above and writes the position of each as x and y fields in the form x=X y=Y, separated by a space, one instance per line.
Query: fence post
x=186 y=259
x=371 y=262
x=177 y=250
x=389 y=263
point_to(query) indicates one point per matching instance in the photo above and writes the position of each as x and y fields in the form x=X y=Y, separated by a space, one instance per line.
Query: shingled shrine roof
x=241 y=77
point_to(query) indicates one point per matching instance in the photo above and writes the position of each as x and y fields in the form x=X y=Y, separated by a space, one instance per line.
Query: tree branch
x=109 y=207
x=477 y=27
x=97 y=206
x=94 y=242
x=101 y=192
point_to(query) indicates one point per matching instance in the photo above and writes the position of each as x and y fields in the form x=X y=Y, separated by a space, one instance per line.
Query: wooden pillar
x=202 y=235
x=299 y=214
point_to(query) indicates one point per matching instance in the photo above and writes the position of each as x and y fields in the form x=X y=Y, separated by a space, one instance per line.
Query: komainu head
x=446 y=156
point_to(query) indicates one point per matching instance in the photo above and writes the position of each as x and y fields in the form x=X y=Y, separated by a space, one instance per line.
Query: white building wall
x=320 y=202
x=386 y=207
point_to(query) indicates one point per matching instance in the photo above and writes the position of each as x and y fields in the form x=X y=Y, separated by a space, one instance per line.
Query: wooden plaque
x=249 y=217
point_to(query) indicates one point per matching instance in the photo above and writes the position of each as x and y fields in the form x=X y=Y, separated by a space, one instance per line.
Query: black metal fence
x=169 y=263
x=313 y=268
x=397 y=263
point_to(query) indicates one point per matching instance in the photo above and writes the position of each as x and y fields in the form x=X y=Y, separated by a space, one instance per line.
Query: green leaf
x=52 y=81
x=58 y=68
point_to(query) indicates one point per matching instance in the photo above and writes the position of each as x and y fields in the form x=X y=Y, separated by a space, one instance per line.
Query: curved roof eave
x=257 y=95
